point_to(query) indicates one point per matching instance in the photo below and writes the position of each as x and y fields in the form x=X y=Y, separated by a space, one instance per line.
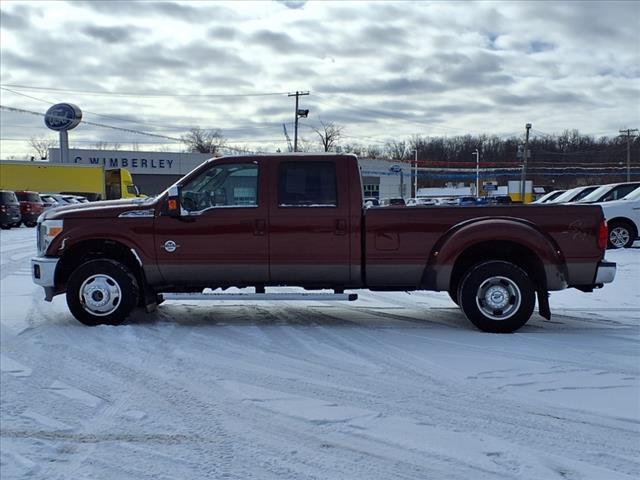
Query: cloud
x=111 y=34
x=13 y=21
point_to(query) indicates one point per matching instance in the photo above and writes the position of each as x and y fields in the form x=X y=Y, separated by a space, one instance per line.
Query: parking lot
x=390 y=386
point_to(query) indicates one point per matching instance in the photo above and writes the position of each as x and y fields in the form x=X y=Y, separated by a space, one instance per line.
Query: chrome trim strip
x=606 y=272
x=47 y=271
x=137 y=214
x=135 y=254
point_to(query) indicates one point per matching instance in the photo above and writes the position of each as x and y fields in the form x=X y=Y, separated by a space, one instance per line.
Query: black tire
x=30 y=224
x=621 y=235
x=497 y=296
x=453 y=295
x=5 y=227
x=111 y=287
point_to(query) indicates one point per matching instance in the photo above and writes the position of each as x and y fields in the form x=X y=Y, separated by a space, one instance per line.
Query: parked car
x=547 y=197
x=110 y=258
x=31 y=206
x=466 y=201
x=48 y=201
x=371 y=202
x=623 y=219
x=574 y=194
x=414 y=202
x=9 y=210
x=446 y=201
x=63 y=199
x=607 y=193
x=393 y=202
x=500 y=200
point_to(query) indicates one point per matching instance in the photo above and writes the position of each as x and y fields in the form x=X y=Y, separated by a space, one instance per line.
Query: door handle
x=341 y=227
x=259 y=227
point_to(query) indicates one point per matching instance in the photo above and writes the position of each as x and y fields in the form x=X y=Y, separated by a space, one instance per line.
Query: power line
x=128 y=130
x=147 y=95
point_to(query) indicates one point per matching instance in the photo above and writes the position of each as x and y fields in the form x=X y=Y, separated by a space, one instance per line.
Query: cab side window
x=307 y=184
x=230 y=185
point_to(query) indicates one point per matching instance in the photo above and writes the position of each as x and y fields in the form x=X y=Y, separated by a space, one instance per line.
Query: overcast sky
x=383 y=70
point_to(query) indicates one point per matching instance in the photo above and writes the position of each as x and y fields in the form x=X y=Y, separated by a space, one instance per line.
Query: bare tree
x=329 y=135
x=204 y=141
x=41 y=145
x=306 y=145
x=396 y=150
x=102 y=145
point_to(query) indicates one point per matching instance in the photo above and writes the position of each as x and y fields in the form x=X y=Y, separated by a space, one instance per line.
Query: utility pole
x=525 y=154
x=627 y=133
x=415 y=178
x=299 y=113
x=477 y=154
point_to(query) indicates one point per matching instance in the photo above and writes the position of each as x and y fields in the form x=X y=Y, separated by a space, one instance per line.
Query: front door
x=223 y=239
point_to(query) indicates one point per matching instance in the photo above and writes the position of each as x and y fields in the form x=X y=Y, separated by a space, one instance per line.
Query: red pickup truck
x=298 y=220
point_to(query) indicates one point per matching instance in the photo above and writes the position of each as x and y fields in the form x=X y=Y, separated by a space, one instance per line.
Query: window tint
x=232 y=185
x=620 y=191
x=8 y=197
x=307 y=184
x=28 y=197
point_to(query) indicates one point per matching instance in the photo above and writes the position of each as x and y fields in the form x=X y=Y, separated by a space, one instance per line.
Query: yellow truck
x=93 y=182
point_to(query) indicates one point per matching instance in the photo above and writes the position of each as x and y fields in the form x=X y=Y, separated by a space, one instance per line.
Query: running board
x=325 y=297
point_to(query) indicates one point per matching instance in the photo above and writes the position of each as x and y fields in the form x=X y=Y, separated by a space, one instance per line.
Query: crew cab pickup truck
x=299 y=220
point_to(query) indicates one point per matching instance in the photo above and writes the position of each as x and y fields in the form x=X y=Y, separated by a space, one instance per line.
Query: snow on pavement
x=392 y=386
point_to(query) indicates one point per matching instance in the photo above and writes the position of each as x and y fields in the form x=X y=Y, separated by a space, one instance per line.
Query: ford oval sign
x=63 y=116
x=395 y=168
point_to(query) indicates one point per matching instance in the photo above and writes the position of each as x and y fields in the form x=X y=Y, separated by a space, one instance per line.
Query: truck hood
x=102 y=209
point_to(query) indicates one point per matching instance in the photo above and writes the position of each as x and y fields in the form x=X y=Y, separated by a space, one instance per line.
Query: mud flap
x=543 y=304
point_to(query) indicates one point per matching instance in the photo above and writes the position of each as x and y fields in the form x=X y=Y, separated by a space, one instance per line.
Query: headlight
x=47 y=231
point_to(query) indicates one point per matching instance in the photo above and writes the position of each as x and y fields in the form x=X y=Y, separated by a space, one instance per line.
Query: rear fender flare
x=462 y=236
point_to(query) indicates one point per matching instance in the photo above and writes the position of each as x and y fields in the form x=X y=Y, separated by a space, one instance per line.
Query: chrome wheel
x=619 y=237
x=498 y=298
x=100 y=295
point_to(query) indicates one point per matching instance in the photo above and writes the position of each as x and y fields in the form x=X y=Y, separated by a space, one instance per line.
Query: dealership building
x=152 y=172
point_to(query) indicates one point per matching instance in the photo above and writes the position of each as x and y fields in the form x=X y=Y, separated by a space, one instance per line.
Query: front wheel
x=30 y=224
x=497 y=296
x=102 y=292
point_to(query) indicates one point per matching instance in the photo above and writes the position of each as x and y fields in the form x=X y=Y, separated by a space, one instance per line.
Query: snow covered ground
x=391 y=386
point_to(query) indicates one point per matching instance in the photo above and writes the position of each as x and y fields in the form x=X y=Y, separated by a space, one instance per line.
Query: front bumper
x=43 y=272
x=605 y=272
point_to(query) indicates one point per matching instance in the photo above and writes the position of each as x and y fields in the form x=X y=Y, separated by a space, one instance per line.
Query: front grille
x=39 y=235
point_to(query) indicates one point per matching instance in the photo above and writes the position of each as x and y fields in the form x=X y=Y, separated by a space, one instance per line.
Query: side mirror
x=174 y=202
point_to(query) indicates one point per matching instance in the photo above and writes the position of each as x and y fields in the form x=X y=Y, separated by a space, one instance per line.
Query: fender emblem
x=170 y=246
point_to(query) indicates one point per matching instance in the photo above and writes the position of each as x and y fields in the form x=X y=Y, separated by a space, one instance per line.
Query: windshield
x=635 y=195
x=28 y=197
x=8 y=197
x=596 y=194
x=573 y=195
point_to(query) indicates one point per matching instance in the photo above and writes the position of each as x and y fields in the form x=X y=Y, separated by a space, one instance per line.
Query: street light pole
x=477 y=154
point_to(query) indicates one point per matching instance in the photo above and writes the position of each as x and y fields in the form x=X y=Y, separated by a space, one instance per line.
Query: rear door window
x=307 y=184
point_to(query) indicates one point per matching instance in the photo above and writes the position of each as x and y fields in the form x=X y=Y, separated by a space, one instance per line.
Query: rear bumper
x=605 y=273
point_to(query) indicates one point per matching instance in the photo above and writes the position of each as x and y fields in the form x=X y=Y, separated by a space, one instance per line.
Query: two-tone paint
x=342 y=246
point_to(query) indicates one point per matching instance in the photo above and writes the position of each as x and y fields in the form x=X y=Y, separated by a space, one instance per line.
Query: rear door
x=309 y=224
